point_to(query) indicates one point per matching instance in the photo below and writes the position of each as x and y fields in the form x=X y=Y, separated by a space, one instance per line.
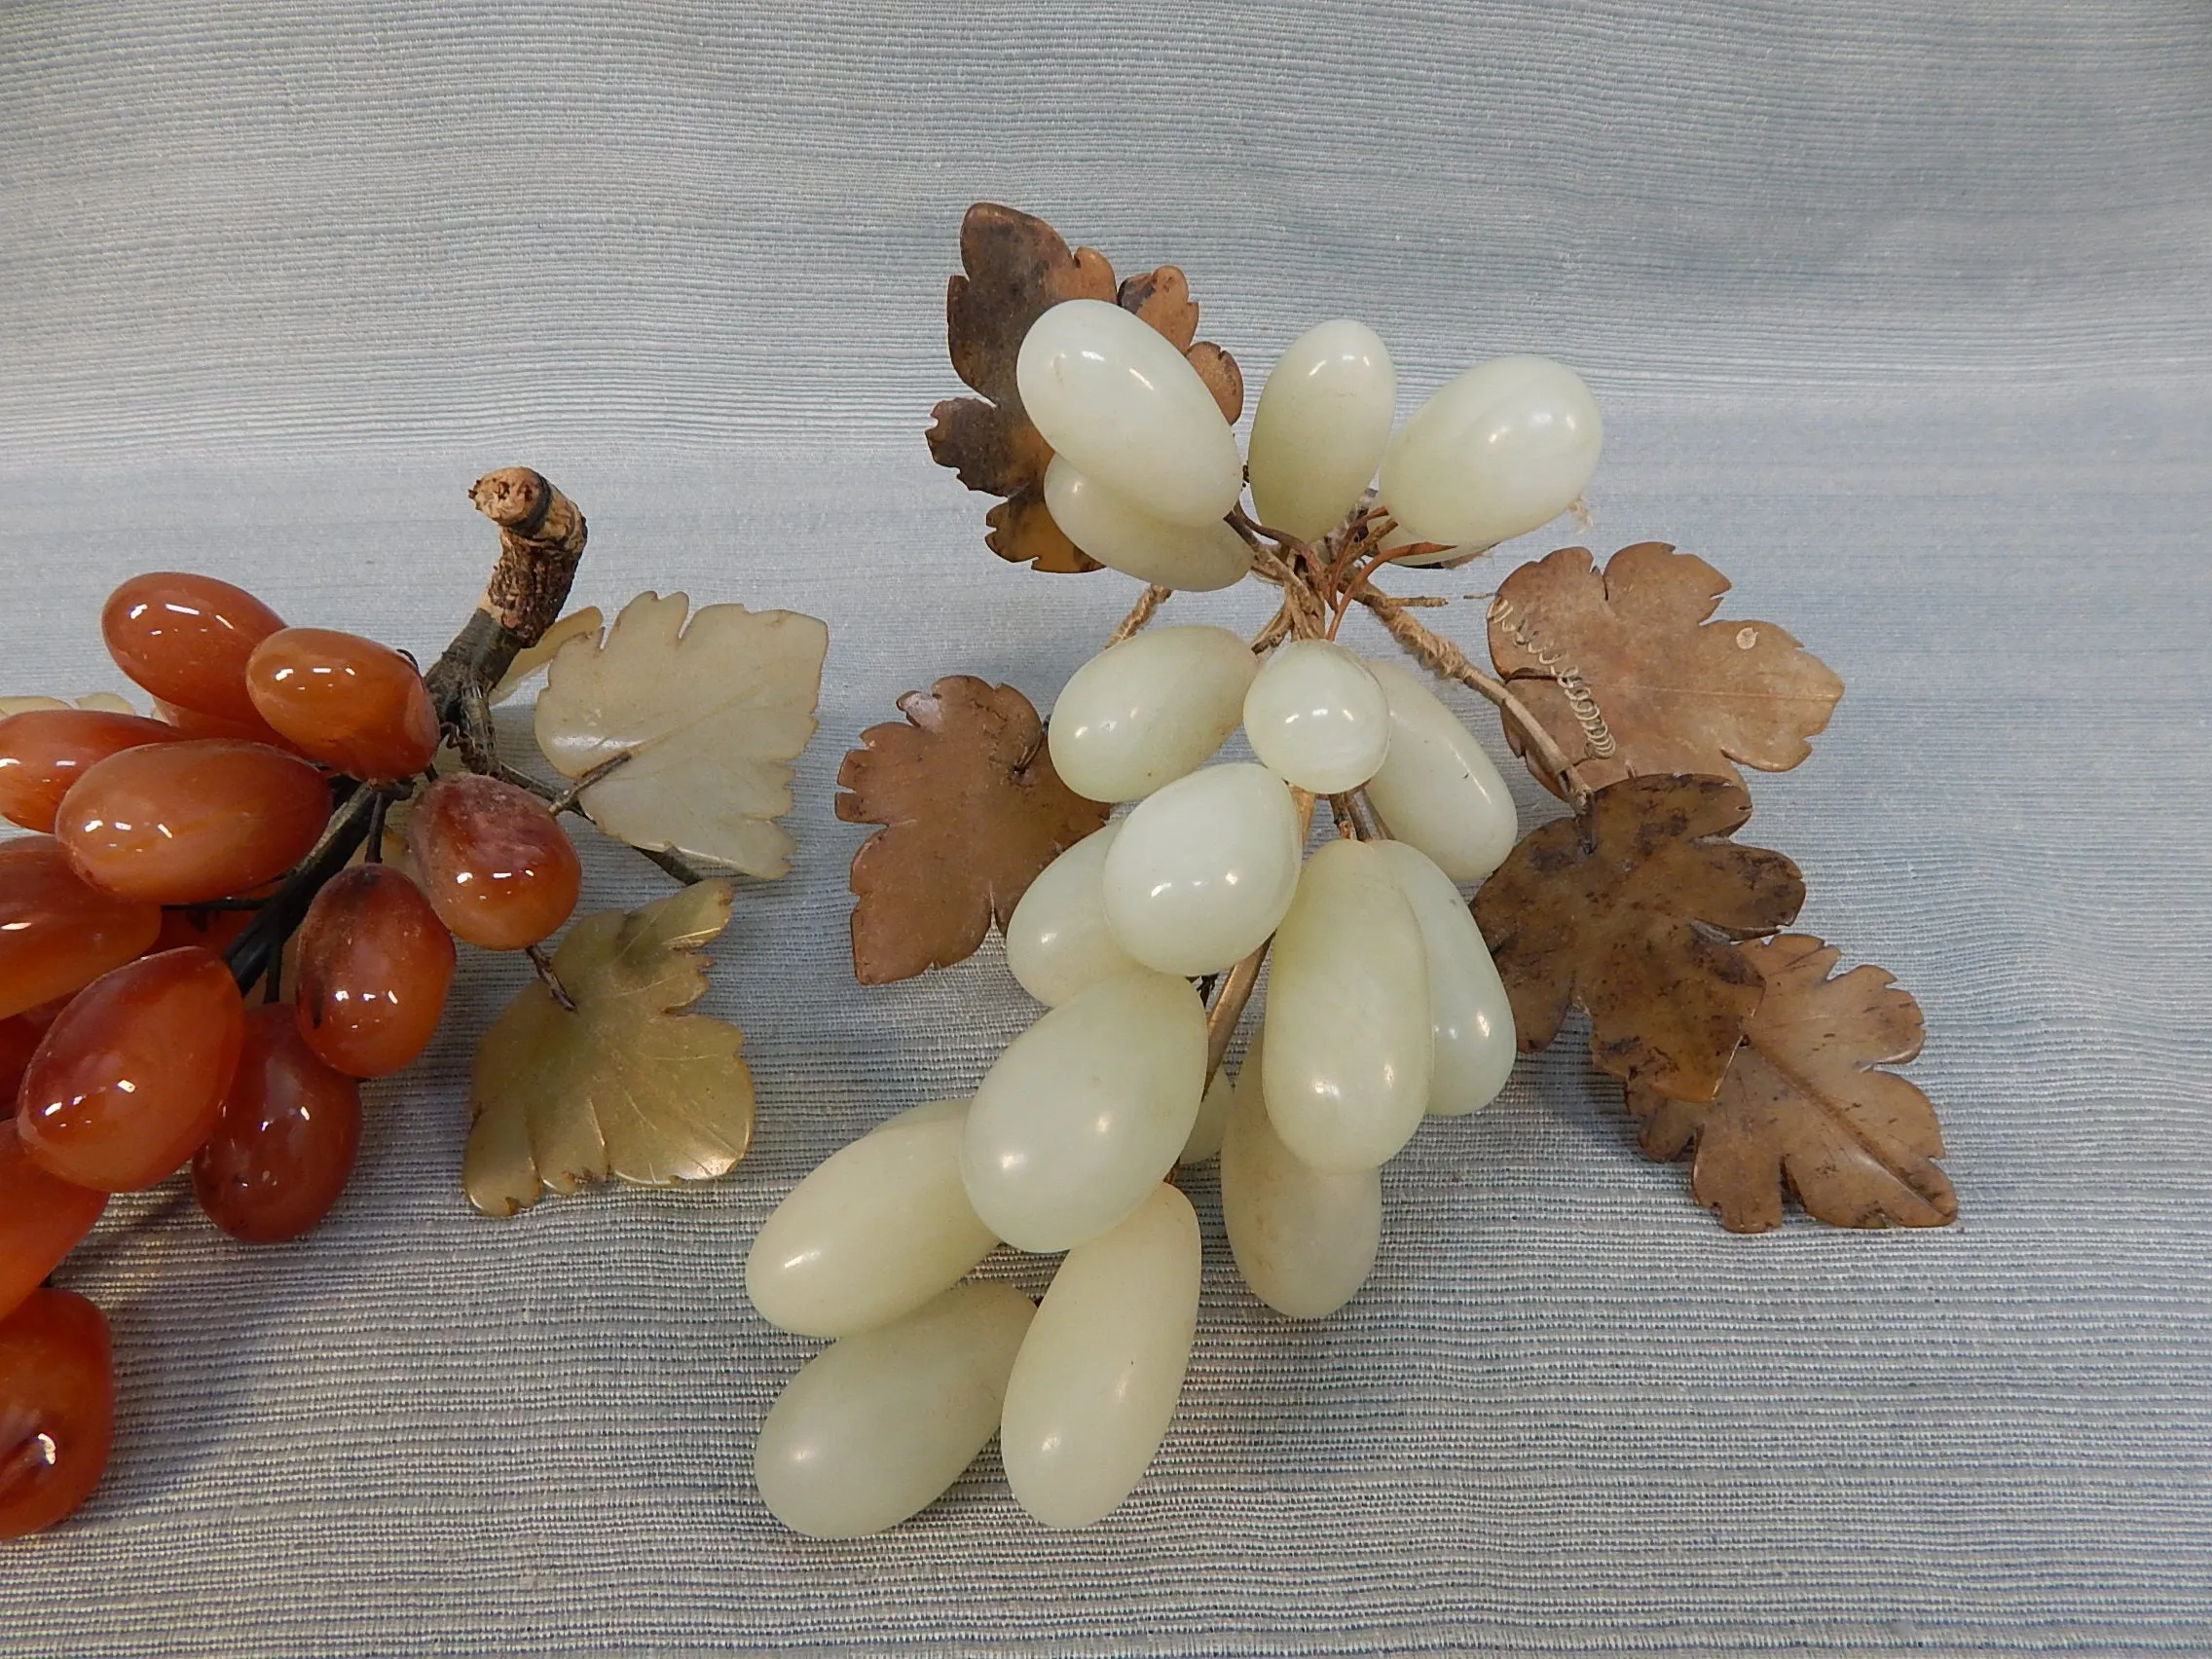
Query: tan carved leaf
x=1016 y=268
x=628 y=1085
x=1631 y=912
x=1806 y=1104
x=535 y=657
x=1625 y=670
x=971 y=810
x=709 y=712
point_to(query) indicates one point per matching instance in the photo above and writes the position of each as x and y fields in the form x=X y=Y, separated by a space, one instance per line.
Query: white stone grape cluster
x=1383 y=1003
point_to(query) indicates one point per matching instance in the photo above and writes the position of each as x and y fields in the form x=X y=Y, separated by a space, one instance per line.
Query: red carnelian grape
x=347 y=702
x=191 y=722
x=285 y=1143
x=40 y=1219
x=373 y=968
x=56 y=1408
x=186 y=639
x=183 y=822
x=56 y=933
x=45 y=751
x=492 y=861
x=128 y=1081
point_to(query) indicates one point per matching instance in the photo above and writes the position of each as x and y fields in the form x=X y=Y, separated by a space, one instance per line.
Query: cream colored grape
x=1493 y=454
x=1316 y=717
x=1120 y=534
x=879 y=1228
x=1056 y=940
x=1305 y=1239
x=1320 y=428
x=1470 y=1019
x=1085 y=1111
x=1126 y=408
x=878 y=1426
x=1150 y=710
x=1345 y=1049
x=1438 y=787
x=1096 y=1386
x=1204 y=870
x=1212 y=1120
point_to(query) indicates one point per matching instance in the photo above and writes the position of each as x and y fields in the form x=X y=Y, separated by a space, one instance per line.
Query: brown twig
x=543 y=963
x=1144 y=611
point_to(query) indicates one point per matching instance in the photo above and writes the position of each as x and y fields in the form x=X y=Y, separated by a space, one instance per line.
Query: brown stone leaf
x=626 y=1084
x=1018 y=267
x=971 y=810
x=1806 y=1104
x=1629 y=912
x=1626 y=672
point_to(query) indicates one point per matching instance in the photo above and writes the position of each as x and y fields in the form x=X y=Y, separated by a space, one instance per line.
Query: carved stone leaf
x=532 y=658
x=1805 y=1104
x=628 y=1085
x=971 y=810
x=1016 y=268
x=711 y=714
x=1667 y=689
x=1630 y=912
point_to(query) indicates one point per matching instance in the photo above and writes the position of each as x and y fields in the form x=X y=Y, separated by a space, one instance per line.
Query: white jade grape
x=1305 y=1239
x=1322 y=421
x=1056 y=940
x=1470 y=1019
x=1316 y=717
x=1502 y=449
x=1126 y=409
x=1345 y=1052
x=1438 y=789
x=878 y=1229
x=1096 y=1386
x=1213 y=1120
x=1121 y=536
x=1085 y=1111
x=1149 y=711
x=878 y=1424
x=1204 y=870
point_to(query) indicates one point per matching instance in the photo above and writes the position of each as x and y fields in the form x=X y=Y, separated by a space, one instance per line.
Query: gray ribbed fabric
x=1900 y=314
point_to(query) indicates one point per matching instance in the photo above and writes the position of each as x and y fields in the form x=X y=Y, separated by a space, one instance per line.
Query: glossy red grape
x=40 y=1219
x=182 y=823
x=128 y=1081
x=285 y=1141
x=45 y=751
x=186 y=639
x=58 y=935
x=191 y=722
x=56 y=1408
x=493 y=862
x=373 y=967
x=357 y=707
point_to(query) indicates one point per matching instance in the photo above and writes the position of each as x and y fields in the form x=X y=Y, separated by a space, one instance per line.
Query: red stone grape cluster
x=169 y=859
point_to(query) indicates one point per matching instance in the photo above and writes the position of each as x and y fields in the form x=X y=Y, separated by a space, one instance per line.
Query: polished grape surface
x=56 y=1408
x=45 y=751
x=373 y=968
x=40 y=1219
x=183 y=822
x=492 y=861
x=186 y=639
x=285 y=1143
x=58 y=935
x=353 y=705
x=128 y=1081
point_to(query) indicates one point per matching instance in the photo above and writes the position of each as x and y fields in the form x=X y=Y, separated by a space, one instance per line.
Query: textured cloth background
x=1901 y=314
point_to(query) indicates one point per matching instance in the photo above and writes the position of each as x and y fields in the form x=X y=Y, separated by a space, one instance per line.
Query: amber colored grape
x=56 y=1408
x=40 y=1219
x=45 y=751
x=373 y=968
x=353 y=705
x=285 y=1141
x=56 y=933
x=493 y=862
x=210 y=930
x=191 y=722
x=128 y=1081
x=186 y=639
x=183 y=822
